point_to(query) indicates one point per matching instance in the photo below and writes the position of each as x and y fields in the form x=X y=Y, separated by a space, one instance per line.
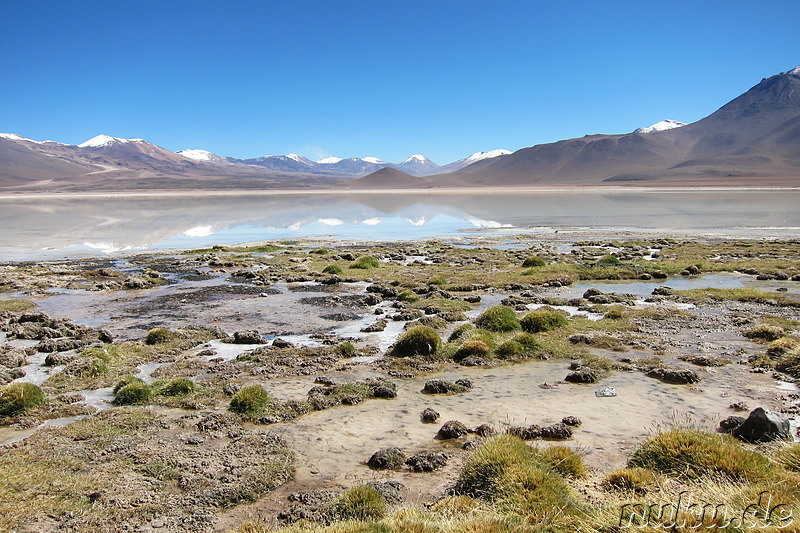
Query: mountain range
x=752 y=140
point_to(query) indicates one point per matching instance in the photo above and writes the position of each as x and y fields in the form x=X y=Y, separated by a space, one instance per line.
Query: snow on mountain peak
x=298 y=158
x=329 y=160
x=661 y=126
x=415 y=157
x=198 y=155
x=101 y=141
x=15 y=137
x=479 y=156
x=794 y=72
x=373 y=160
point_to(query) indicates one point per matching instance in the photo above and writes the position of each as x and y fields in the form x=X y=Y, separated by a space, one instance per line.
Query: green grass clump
x=250 y=400
x=564 y=461
x=461 y=332
x=158 y=336
x=407 y=296
x=437 y=280
x=740 y=294
x=133 y=394
x=126 y=380
x=498 y=318
x=177 y=387
x=693 y=454
x=365 y=262
x=507 y=472
x=417 y=341
x=510 y=350
x=472 y=347
x=783 y=346
x=19 y=397
x=608 y=260
x=543 y=320
x=332 y=269
x=634 y=479
x=346 y=349
x=534 y=261
x=17 y=305
x=319 y=251
x=789 y=363
x=360 y=503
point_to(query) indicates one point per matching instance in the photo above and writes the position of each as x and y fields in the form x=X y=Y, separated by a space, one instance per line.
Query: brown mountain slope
x=387 y=178
x=755 y=135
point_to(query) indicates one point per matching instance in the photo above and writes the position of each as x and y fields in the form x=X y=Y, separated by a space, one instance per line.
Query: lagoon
x=53 y=227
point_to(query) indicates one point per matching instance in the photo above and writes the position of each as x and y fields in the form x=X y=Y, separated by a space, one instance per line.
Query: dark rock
x=582 y=376
x=56 y=359
x=325 y=380
x=387 y=458
x=676 y=376
x=281 y=343
x=473 y=360
x=429 y=415
x=352 y=399
x=452 y=429
x=557 y=431
x=738 y=406
x=580 y=338
x=763 y=425
x=525 y=432
x=248 y=337
x=380 y=325
x=443 y=386
x=469 y=445
x=730 y=423
x=573 y=421
x=105 y=336
x=427 y=461
x=484 y=430
x=382 y=391
x=392 y=491
x=592 y=292
x=662 y=291
x=659 y=274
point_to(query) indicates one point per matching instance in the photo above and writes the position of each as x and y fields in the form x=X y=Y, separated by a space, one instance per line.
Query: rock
x=525 y=432
x=469 y=445
x=380 y=325
x=645 y=276
x=429 y=416
x=607 y=392
x=392 y=491
x=56 y=359
x=473 y=360
x=382 y=391
x=730 y=423
x=352 y=399
x=659 y=274
x=557 y=431
x=691 y=270
x=248 y=337
x=580 y=338
x=584 y=375
x=573 y=421
x=325 y=380
x=763 y=425
x=387 y=458
x=484 y=430
x=443 y=386
x=662 y=291
x=675 y=376
x=281 y=343
x=452 y=429
x=427 y=461
x=592 y=292
x=738 y=406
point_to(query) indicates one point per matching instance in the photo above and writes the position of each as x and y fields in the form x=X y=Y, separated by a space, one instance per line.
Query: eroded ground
x=681 y=330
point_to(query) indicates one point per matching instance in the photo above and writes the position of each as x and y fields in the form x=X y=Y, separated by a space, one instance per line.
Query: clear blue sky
x=378 y=78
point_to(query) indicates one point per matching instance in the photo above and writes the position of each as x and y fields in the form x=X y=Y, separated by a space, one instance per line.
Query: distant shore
x=341 y=192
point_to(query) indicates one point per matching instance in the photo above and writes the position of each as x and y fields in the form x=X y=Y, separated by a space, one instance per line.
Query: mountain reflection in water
x=54 y=227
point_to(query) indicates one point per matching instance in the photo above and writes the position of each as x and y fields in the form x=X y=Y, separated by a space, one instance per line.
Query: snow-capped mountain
x=102 y=141
x=203 y=155
x=660 y=126
x=418 y=165
x=329 y=160
x=474 y=158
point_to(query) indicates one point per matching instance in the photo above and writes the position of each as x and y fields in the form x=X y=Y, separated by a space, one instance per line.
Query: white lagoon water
x=36 y=228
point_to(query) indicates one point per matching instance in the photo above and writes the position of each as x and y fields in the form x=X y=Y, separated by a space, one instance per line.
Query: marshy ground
x=248 y=387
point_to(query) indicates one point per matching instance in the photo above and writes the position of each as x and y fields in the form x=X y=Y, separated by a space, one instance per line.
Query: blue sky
x=380 y=78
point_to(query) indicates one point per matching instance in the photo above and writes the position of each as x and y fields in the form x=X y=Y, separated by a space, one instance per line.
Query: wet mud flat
x=655 y=332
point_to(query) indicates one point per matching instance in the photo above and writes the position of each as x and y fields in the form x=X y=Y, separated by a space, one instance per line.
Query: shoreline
x=210 y=193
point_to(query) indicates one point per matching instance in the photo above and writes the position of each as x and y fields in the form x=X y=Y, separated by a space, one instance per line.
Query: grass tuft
x=498 y=318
